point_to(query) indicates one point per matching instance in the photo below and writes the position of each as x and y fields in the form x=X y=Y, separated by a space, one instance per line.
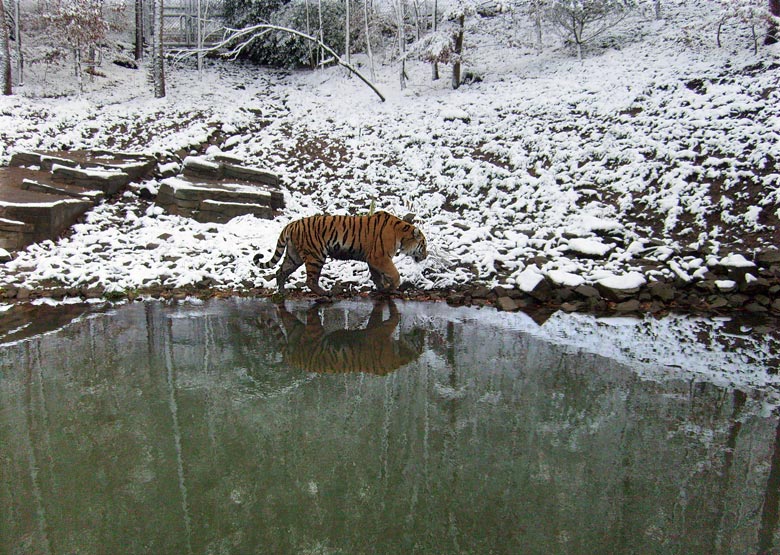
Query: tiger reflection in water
x=372 y=350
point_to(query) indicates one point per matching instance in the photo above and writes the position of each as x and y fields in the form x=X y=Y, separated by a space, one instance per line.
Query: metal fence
x=180 y=22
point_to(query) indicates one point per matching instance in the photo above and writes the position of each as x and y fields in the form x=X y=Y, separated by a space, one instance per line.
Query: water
x=234 y=427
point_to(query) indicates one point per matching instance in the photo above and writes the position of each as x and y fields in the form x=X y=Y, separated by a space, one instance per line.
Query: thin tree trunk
x=401 y=40
x=346 y=34
x=538 y=29
x=18 y=36
x=320 y=33
x=435 y=27
x=773 y=33
x=139 y=29
x=658 y=9
x=456 y=66
x=158 y=63
x=312 y=61
x=5 y=55
x=368 y=42
x=199 y=37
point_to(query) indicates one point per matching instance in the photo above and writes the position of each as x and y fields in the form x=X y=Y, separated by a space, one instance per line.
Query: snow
x=631 y=280
x=736 y=261
x=614 y=157
x=528 y=279
x=590 y=247
x=561 y=277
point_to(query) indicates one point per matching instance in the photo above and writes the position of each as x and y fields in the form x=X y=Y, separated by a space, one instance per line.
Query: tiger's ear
x=409 y=218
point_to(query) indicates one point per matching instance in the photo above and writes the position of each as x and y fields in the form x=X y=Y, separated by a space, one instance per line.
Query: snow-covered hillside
x=655 y=154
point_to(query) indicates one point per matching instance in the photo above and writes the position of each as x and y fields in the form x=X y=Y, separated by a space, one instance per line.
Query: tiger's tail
x=281 y=246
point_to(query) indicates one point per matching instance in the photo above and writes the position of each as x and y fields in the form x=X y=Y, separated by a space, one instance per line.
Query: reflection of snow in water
x=719 y=350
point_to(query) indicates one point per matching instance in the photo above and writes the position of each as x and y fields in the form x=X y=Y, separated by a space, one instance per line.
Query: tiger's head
x=413 y=243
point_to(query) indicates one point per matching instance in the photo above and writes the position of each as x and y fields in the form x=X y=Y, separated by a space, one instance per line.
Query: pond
x=240 y=426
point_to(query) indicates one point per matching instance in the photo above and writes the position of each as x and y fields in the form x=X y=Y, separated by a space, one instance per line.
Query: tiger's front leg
x=385 y=275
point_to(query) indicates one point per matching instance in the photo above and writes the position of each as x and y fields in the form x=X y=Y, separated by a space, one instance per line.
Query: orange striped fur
x=372 y=239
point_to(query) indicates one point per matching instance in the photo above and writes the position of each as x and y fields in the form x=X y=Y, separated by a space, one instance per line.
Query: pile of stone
x=218 y=187
x=44 y=193
x=728 y=284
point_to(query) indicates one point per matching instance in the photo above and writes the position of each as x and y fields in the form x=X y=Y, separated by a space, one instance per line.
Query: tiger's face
x=414 y=245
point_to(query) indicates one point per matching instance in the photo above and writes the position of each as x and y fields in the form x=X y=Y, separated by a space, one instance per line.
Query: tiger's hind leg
x=290 y=263
x=313 y=269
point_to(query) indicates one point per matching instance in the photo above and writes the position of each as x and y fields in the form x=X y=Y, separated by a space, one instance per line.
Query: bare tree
x=81 y=24
x=584 y=20
x=158 y=62
x=5 y=54
x=536 y=11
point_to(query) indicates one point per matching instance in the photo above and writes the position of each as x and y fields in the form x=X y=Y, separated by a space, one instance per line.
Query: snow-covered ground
x=655 y=154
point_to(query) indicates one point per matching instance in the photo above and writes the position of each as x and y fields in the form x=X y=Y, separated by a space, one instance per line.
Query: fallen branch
x=255 y=31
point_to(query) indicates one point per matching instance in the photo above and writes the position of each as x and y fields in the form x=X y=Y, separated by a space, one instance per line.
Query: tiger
x=373 y=239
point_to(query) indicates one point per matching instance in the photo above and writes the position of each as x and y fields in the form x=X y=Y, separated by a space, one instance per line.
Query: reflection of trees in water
x=152 y=431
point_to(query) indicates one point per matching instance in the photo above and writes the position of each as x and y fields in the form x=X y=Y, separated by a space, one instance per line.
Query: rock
x=507 y=304
x=755 y=308
x=734 y=266
x=123 y=61
x=93 y=292
x=563 y=294
x=590 y=248
x=662 y=290
x=8 y=292
x=620 y=288
x=571 y=306
x=768 y=257
x=534 y=284
x=776 y=305
x=587 y=291
x=718 y=302
x=755 y=286
x=737 y=300
x=23 y=293
x=479 y=292
x=5 y=256
x=628 y=306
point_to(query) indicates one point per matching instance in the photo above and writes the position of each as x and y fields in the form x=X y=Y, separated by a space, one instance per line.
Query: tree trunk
x=538 y=28
x=5 y=54
x=368 y=42
x=456 y=66
x=346 y=34
x=139 y=29
x=773 y=33
x=658 y=9
x=435 y=27
x=158 y=65
x=18 y=37
x=401 y=40
x=199 y=36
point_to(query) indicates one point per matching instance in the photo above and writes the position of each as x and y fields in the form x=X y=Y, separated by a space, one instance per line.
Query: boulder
x=620 y=288
x=662 y=290
x=507 y=304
